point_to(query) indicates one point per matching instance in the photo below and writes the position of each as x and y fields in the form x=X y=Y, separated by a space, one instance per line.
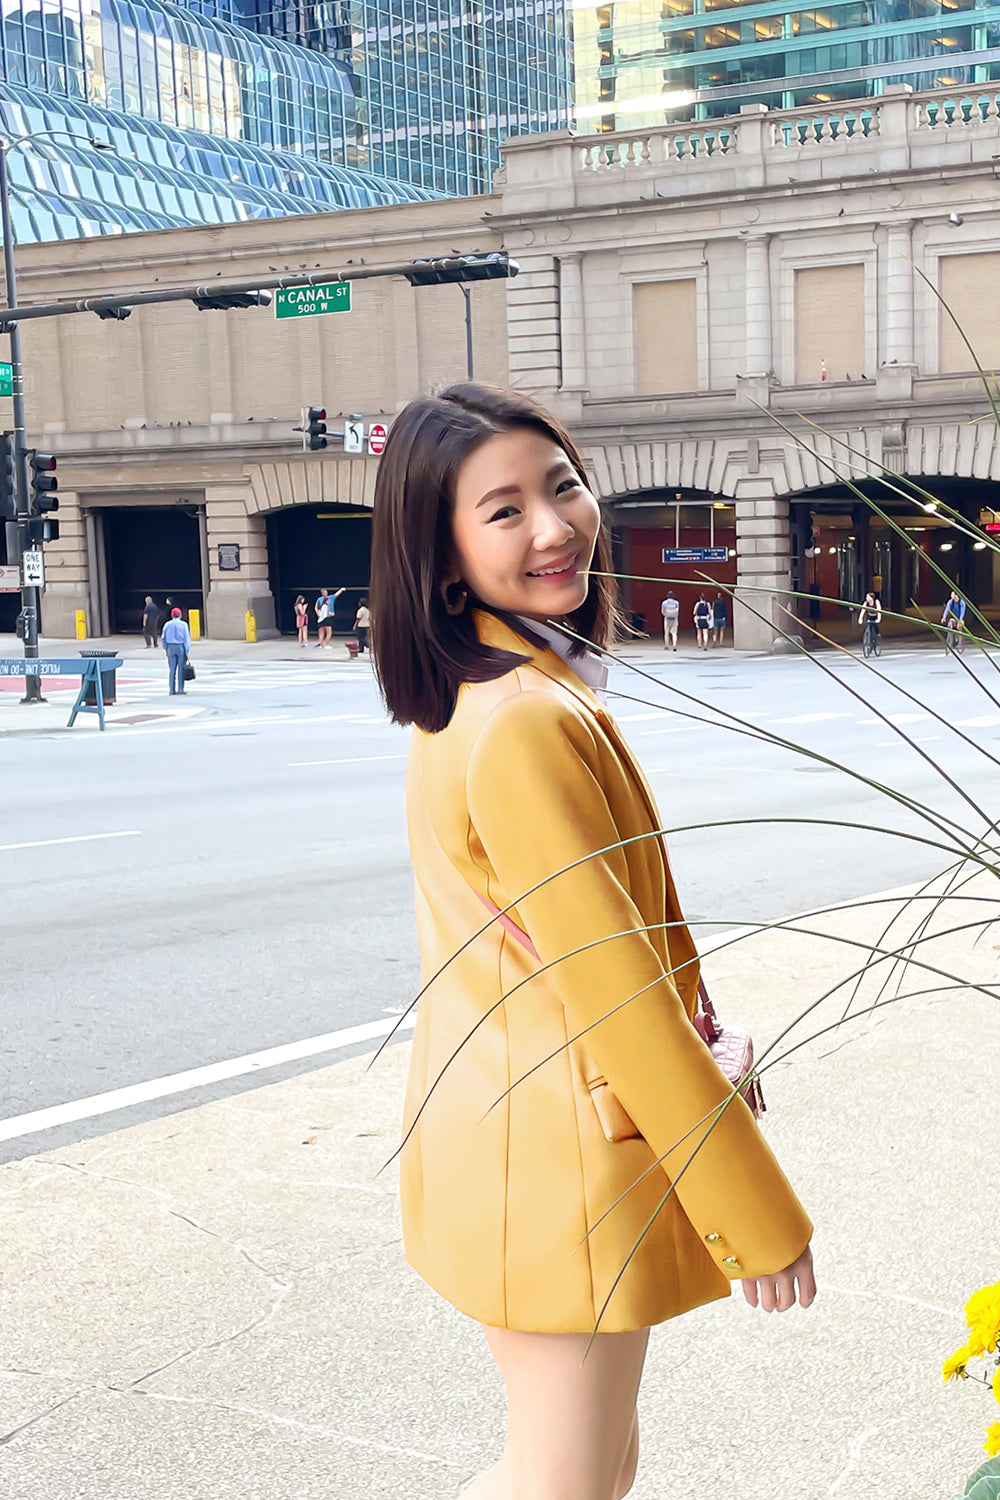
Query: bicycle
x=871 y=641
x=954 y=640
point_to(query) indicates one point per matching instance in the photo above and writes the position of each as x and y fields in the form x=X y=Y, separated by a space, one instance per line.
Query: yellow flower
x=955 y=1364
x=982 y=1314
x=992 y=1443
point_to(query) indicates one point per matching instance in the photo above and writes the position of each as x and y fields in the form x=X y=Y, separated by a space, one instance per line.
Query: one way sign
x=354 y=435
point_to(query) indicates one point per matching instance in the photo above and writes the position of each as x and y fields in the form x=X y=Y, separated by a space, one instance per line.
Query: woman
x=362 y=624
x=532 y=1157
x=870 y=619
x=720 y=619
x=703 y=621
x=325 y=606
x=302 y=620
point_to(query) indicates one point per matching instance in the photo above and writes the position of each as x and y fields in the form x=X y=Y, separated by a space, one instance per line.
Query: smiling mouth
x=564 y=568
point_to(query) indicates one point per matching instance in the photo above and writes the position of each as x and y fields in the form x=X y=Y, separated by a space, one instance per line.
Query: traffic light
x=42 y=482
x=491 y=267
x=8 y=487
x=222 y=301
x=314 y=427
x=41 y=529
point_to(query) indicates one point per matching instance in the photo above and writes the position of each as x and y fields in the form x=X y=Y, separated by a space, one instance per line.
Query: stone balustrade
x=896 y=131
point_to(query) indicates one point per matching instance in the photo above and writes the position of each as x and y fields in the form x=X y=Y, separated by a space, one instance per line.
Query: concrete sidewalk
x=215 y=1306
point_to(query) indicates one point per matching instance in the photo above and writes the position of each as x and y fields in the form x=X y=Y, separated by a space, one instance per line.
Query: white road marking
x=810 y=718
x=180 y=1083
x=77 y=838
x=348 y=760
x=677 y=729
x=902 y=744
x=896 y=719
x=985 y=721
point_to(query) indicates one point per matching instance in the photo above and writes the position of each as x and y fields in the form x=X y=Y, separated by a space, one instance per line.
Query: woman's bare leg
x=572 y=1427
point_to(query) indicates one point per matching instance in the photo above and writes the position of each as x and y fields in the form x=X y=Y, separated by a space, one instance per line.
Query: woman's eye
x=501 y=515
x=568 y=484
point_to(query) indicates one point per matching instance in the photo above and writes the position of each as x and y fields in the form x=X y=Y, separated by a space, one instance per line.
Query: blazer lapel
x=494 y=632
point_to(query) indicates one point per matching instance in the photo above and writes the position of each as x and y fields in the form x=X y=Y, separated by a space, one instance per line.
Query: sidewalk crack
x=41 y=1416
x=392 y=1450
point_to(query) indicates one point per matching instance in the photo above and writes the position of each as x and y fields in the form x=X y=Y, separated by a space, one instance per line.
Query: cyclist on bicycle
x=870 y=616
x=954 y=618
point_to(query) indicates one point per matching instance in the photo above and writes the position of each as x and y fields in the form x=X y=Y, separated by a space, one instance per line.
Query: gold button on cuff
x=714 y=1239
x=732 y=1264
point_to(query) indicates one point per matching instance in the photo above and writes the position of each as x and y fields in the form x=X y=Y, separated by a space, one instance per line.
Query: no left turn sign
x=377 y=435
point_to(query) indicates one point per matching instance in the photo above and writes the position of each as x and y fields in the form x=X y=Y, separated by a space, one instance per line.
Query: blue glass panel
x=158 y=176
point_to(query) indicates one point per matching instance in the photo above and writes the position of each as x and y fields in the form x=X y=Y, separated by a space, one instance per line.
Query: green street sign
x=303 y=301
x=6 y=380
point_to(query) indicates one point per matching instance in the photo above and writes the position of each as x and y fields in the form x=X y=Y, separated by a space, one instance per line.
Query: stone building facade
x=194 y=413
x=737 y=320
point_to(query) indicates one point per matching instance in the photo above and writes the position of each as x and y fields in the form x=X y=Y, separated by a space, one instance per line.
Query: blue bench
x=88 y=669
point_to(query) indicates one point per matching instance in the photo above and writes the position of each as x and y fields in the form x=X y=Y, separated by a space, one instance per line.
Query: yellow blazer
x=500 y=1189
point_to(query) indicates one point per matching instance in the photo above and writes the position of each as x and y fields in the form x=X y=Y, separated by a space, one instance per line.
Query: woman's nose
x=551 y=528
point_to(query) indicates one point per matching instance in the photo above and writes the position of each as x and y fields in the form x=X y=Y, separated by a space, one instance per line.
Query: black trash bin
x=109 y=679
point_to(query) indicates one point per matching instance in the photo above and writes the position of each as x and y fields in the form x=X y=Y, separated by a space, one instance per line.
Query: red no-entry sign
x=377 y=435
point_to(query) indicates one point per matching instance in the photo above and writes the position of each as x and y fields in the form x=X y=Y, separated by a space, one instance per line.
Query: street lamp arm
x=7 y=143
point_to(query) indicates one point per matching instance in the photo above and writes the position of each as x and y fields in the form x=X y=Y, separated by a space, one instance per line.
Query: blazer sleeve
x=537 y=804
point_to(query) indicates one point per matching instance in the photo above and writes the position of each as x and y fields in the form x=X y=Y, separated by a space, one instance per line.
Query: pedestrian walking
x=151 y=622
x=530 y=1199
x=302 y=620
x=362 y=624
x=720 y=619
x=176 y=638
x=702 y=621
x=167 y=611
x=324 y=608
x=670 y=609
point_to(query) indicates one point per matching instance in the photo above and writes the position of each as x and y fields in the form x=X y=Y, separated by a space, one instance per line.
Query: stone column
x=898 y=348
x=763 y=565
x=572 y=332
x=232 y=592
x=759 y=358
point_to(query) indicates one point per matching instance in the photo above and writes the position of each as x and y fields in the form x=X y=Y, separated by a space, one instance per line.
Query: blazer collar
x=494 y=632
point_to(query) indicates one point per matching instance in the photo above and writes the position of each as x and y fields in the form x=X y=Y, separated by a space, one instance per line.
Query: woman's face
x=524 y=526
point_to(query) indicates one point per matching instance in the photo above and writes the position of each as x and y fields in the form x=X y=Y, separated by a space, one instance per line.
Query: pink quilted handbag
x=732 y=1050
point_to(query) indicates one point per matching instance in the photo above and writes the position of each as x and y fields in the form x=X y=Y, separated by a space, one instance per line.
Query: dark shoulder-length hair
x=422 y=653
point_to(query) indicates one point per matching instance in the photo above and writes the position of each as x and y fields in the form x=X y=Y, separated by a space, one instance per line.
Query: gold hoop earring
x=456 y=597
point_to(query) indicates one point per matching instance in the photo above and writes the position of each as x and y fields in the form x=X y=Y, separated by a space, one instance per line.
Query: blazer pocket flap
x=615 y=1120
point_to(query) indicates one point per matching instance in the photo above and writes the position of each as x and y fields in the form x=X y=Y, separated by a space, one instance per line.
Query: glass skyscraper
x=231 y=109
x=643 y=62
x=439 y=83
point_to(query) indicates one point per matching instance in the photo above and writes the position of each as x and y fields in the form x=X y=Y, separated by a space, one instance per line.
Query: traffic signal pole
x=29 y=593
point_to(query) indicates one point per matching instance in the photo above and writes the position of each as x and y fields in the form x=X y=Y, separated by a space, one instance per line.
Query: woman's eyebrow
x=561 y=465
x=508 y=489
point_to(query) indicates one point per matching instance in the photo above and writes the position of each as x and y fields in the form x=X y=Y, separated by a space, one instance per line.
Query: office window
x=665 y=319
x=829 y=323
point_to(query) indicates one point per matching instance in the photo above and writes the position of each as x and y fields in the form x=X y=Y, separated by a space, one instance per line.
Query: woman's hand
x=776 y=1293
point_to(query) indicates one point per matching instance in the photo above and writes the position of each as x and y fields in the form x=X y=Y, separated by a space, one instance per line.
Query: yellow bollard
x=194 y=624
x=251 y=625
x=81 y=624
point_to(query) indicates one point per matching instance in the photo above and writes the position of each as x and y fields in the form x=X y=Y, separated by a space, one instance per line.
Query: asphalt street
x=179 y=895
